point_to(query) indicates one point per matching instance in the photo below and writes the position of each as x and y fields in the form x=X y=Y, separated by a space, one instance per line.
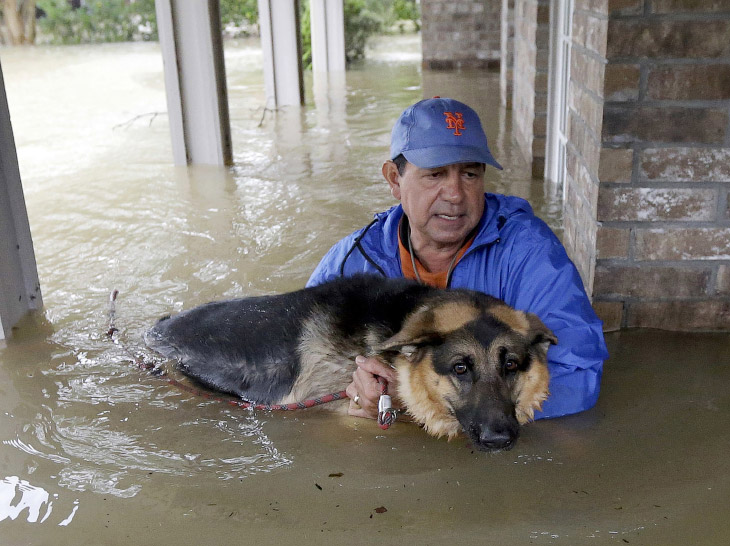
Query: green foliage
x=407 y=10
x=306 y=34
x=238 y=16
x=361 y=22
x=123 y=20
x=363 y=19
x=127 y=20
x=239 y=11
x=97 y=21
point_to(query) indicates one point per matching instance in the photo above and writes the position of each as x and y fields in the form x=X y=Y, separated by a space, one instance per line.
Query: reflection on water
x=32 y=498
x=35 y=500
x=89 y=441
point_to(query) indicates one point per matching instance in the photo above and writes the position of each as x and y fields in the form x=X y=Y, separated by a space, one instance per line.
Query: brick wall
x=463 y=34
x=664 y=242
x=542 y=60
x=523 y=97
x=506 y=62
x=530 y=74
x=583 y=150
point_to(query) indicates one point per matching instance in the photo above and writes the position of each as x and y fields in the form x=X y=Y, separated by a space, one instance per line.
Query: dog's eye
x=462 y=365
x=460 y=368
x=511 y=365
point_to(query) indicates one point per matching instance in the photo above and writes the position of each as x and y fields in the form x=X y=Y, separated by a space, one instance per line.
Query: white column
x=280 y=45
x=195 y=81
x=561 y=17
x=328 y=35
x=19 y=286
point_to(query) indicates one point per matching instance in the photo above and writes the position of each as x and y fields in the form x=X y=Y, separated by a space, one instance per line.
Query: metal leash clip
x=387 y=414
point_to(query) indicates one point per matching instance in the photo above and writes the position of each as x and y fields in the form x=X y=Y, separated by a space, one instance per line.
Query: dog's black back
x=251 y=347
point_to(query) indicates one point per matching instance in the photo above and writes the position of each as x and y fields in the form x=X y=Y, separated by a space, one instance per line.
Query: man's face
x=442 y=204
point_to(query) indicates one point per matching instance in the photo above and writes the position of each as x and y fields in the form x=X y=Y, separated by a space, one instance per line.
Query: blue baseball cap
x=437 y=132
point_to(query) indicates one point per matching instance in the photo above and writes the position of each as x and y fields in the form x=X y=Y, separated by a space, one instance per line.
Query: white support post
x=281 y=48
x=561 y=20
x=328 y=35
x=195 y=81
x=19 y=286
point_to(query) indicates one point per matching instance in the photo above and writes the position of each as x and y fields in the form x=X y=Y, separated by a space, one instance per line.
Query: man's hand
x=366 y=387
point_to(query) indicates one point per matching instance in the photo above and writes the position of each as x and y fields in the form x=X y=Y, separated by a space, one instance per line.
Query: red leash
x=386 y=413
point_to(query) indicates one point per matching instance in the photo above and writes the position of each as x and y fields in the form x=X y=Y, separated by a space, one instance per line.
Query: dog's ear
x=539 y=335
x=412 y=349
x=417 y=333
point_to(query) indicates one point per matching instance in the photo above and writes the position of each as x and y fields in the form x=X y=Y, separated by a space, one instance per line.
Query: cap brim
x=438 y=156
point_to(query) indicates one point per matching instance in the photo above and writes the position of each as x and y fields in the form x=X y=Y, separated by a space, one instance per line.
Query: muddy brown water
x=93 y=451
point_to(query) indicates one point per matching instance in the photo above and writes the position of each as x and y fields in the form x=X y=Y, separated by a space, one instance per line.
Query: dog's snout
x=490 y=439
x=495 y=435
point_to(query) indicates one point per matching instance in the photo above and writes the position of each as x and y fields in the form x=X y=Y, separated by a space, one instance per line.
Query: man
x=447 y=232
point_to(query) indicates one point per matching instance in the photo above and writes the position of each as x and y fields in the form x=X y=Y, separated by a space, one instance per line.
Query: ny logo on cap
x=455 y=122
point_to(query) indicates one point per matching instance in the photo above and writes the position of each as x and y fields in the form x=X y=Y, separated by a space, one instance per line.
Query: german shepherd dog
x=464 y=360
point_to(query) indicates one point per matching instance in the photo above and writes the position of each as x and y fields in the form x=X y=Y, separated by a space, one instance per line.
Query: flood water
x=94 y=451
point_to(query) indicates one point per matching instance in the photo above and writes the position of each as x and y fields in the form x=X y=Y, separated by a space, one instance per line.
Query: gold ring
x=356 y=400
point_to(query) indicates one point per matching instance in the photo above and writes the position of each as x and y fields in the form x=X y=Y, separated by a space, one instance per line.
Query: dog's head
x=473 y=364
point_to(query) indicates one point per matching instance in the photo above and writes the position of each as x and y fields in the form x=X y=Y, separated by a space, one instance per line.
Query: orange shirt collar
x=437 y=279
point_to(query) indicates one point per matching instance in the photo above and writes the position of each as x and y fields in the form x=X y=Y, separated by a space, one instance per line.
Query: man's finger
x=375 y=367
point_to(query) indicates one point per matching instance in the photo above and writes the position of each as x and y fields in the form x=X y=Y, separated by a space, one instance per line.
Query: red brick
x=541 y=102
x=650 y=282
x=723 y=280
x=626 y=7
x=582 y=186
x=538 y=166
x=661 y=39
x=686 y=164
x=656 y=204
x=675 y=124
x=586 y=145
x=541 y=82
x=612 y=243
x=588 y=71
x=587 y=106
x=599 y=7
x=696 y=82
x=616 y=165
x=461 y=34
x=689 y=6
x=707 y=315
x=611 y=313
x=542 y=37
x=538 y=146
x=590 y=32
x=539 y=127
x=622 y=82
x=683 y=244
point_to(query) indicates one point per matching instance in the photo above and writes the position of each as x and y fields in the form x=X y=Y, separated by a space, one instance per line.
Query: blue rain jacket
x=516 y=257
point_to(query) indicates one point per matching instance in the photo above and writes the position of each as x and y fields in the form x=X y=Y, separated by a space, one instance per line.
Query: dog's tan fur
x=516 y=320
x=321 y=361
x=532 y=392
x=423 y=393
